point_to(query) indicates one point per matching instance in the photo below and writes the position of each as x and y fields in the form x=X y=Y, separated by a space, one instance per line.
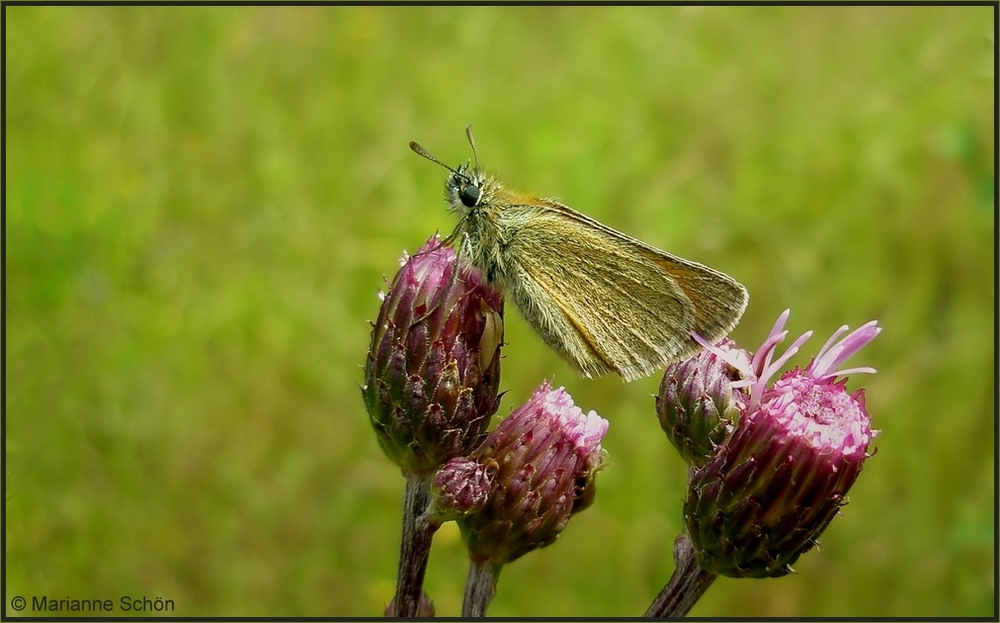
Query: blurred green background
x=201 y=204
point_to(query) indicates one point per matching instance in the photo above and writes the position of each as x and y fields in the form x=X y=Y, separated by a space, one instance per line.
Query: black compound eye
x=469 y=195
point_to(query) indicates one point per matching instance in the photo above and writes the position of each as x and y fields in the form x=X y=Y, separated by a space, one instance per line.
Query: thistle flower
x=697 y=405
x=546 y=454
x=767 y=493
x=433 y=367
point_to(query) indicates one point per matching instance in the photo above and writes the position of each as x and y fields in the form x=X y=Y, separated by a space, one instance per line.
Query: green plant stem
x=480 y=588
x=415 y=549
x=686 y=586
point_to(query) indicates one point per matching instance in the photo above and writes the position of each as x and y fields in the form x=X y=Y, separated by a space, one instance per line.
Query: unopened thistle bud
x=460 y=487
x=697 y=404
x=433 y=367
x=425 y=608
x=767 y=493
x=546 y=454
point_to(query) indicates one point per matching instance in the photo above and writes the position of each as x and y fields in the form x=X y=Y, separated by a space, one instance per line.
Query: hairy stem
x=415 y=549
x=686 y=586
x=480 y=588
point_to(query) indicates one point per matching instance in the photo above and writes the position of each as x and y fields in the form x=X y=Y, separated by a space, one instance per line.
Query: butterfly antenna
x=420 y=151
x=472 y=141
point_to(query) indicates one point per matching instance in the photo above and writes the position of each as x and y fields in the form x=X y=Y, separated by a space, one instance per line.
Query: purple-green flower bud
x=770 y=490
x=697 y=405
x=547 y=454
x=460 y=487
x=433 y=367
x=425 y=608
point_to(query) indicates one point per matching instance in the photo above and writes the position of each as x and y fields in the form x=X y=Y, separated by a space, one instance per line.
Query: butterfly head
x=464 y=188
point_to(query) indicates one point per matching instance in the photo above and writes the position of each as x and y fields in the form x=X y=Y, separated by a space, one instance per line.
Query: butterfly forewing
x=719 y=300
x=643 y=323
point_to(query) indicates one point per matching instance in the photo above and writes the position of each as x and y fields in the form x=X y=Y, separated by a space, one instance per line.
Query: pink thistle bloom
x=770 y=490
x=546 y=455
